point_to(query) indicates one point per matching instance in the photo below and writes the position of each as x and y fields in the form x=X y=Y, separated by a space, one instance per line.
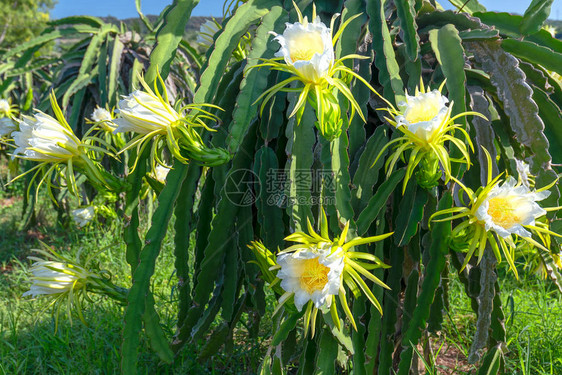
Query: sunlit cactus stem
x=211 y=27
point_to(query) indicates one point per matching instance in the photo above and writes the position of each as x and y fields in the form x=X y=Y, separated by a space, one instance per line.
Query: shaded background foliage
x=22 y=19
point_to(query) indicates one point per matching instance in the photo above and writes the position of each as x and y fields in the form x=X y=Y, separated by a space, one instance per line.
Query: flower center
x=314 y=276
x=304 y=46
x=4 y=109
x=421 y=113
x=503 y=212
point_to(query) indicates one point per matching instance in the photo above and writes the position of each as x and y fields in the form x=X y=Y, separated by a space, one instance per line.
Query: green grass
x=29 y=344
x=532 y=306
x=534 y=326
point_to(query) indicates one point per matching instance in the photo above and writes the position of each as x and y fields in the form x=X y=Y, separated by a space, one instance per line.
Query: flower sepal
x=316 y=272
x=7 y=109
x=51 y=142
x=267 y=263
x=193 y=148
x=67 y=282
x=307 y=53
x=150 y=114
x=426 y=122
x=329 y=114
x=502 y=214
x=429 y=172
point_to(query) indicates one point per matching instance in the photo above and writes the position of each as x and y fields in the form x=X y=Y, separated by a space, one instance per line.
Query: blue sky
x=126 y=8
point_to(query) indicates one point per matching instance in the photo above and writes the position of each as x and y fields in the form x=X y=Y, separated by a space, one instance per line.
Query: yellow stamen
x=314 y=276
x=304 y=46
x=503 y=212
x=427 y=112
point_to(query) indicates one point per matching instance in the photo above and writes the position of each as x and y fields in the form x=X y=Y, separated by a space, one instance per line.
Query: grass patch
x=28 y=342
x=532 y=307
